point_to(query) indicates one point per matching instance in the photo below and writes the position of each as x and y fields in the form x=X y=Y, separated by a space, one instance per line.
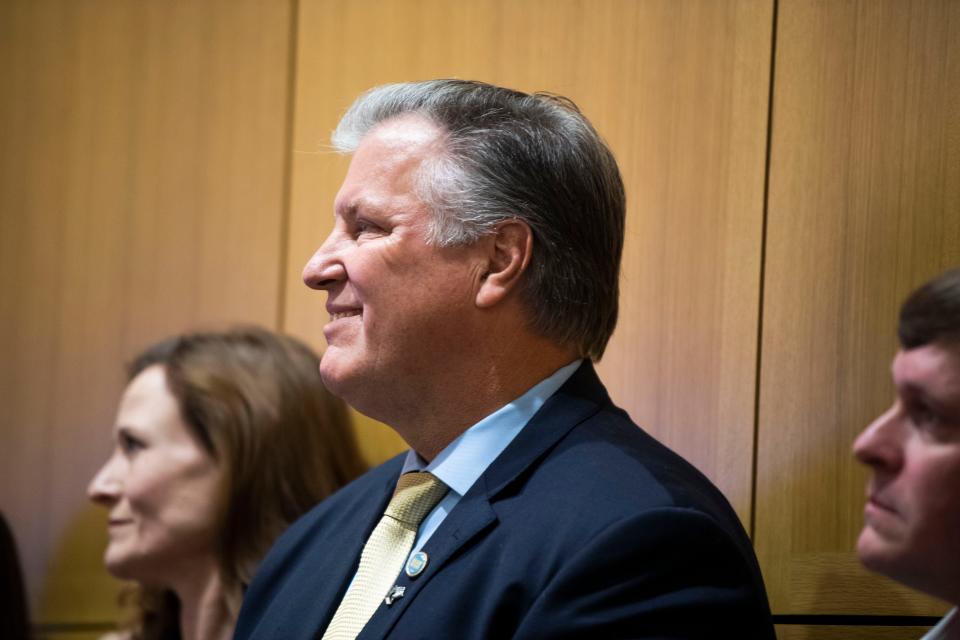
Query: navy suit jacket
x=584 y=527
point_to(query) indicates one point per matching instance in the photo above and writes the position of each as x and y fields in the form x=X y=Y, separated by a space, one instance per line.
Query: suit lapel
x=578 y=399
x=475 y=516
x=309 y=608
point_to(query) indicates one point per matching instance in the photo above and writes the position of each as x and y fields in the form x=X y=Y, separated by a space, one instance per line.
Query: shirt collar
x=939 y=632
x=465 y=459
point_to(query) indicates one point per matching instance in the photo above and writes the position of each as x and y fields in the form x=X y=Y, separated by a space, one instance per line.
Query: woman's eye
x=129 y=444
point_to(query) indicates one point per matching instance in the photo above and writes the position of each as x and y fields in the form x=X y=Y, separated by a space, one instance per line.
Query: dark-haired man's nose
x=880 y=445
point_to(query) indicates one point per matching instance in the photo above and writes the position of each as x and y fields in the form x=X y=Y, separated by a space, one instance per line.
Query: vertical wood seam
x=287 y=187
x=762 y=280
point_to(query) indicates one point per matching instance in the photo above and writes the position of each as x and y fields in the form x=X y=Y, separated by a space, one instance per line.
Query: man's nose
x=106 y=486
x=880 y=445
x=325 y=268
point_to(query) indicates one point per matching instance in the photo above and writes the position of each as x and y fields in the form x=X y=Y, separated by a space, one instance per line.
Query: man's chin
x=336 y=378
x=877 y=552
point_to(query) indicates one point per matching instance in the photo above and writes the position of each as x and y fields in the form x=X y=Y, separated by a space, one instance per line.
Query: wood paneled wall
x=142 y=175
x=681 y=96
x=792 y=171
x=864 y=205
x=849 y=632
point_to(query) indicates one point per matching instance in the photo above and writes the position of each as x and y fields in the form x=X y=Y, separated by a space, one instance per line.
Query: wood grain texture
x=864 y=205
x=848 y=632
x=141 y=194
x=70 y=634
x=680 y=92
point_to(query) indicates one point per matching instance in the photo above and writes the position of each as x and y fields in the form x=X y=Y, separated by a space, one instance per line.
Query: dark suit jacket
x=584 y=527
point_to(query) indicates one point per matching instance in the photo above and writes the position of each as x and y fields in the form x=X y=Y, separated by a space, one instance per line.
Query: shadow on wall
x=834 y=589
x=77 y=589
x=813 y=568
x=377 y=441
x=14 y=621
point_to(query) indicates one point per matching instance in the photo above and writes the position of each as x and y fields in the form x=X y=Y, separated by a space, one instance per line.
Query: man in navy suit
x=472 y=279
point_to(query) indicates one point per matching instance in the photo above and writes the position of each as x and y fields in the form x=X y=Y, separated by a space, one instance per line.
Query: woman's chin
x=120 y=565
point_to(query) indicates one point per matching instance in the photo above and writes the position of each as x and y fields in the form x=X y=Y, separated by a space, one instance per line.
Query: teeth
x=343 y=314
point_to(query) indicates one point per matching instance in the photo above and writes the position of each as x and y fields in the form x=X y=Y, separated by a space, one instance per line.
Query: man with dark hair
x=472 y=279
x=912 y=516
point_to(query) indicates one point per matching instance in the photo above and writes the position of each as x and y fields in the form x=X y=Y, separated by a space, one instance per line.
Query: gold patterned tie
x=385 y=552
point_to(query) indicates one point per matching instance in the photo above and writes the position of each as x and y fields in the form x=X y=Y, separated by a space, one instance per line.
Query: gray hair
x=508 y=155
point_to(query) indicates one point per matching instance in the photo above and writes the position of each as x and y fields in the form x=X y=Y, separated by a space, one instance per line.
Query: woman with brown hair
x=222 y=440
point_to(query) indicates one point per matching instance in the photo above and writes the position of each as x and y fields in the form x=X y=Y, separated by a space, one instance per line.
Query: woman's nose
x=105 y=487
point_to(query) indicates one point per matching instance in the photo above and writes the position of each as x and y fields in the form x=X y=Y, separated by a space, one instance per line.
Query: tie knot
x=416 y=494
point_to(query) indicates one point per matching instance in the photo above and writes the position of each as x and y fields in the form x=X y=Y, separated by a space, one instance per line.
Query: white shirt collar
x=939 y=632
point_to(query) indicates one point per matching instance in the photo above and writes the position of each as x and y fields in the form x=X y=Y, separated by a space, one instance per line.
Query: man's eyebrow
x=921 y=393
x=359 y=205
x=347 y=210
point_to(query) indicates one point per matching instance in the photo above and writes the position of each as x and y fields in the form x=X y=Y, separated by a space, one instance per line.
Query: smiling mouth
x=344 y=314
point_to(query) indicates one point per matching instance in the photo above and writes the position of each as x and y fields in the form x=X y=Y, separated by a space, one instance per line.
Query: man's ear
x=509 y=255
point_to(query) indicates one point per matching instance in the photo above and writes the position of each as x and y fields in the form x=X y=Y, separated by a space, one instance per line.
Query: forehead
x=404 y=133
x=147 y=386
x=934 y=368
x=387 y=160
x=148 y=404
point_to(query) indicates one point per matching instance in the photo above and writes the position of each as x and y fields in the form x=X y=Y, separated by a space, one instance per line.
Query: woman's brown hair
x=255 y=402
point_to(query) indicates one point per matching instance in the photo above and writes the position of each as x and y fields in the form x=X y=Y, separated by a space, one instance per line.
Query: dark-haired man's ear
x=509 y=254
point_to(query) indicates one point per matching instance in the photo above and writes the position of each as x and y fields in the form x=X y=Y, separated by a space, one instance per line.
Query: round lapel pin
x=416 y=564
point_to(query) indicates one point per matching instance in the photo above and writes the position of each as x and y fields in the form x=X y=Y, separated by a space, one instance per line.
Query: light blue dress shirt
x=465 y=459
x=939 y=632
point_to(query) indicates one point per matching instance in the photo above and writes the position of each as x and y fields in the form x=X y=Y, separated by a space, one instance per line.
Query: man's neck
x=446 y=411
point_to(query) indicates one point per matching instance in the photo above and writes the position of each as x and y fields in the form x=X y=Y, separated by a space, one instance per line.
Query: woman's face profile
x=161 y=487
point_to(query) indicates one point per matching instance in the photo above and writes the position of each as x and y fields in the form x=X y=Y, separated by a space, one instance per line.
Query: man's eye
x=362 y=227
x=922 y=415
